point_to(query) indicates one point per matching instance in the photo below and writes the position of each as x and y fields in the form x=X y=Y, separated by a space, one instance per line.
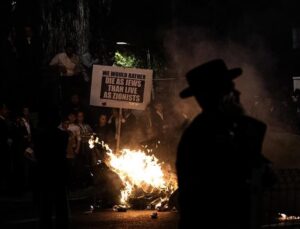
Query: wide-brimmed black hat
x=209 y=77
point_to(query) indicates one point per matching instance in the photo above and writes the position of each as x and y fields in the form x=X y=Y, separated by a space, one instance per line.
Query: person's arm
x=78 y=65
x=89 y=128
x=54 y=61
x=78 y=140
x=86 y=60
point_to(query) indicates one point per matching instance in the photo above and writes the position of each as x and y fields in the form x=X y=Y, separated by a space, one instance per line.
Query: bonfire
x=146 y=181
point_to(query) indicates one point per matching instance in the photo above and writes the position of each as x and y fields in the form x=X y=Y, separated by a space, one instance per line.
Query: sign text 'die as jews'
x=119 y=87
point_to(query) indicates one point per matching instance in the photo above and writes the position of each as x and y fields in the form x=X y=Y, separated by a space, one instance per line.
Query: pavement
x=109 y=219
x=19 y=212
x=131 y=219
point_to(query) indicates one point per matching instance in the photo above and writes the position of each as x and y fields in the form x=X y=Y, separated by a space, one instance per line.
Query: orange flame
x=138 y=169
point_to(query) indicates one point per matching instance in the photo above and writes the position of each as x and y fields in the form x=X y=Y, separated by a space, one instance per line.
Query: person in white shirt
x=67 y=62
x=67 y=66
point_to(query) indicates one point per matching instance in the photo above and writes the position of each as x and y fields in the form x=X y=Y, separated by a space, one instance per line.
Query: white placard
x=296 y=82
x=118 y=87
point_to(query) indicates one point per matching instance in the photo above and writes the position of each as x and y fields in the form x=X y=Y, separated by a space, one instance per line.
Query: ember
x=283 y=217
x=120 y=208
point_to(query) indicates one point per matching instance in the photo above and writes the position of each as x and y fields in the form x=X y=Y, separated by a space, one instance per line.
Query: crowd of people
x=149 y=128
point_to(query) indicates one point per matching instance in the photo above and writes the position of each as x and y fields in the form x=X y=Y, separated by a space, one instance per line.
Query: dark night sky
x=145 y=21
x=225 y=17
x=239 y=21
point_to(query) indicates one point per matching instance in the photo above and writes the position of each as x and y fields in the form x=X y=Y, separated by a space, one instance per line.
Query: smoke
x=189 y=47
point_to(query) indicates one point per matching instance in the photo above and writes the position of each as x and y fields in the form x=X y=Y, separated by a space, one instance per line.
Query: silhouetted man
x=51 y=147
x=218 y=153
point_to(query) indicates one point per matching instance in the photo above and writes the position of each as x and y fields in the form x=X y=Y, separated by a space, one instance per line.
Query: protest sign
x=118 y=87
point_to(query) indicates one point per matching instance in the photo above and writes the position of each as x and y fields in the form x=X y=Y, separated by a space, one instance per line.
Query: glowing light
x=122 y=43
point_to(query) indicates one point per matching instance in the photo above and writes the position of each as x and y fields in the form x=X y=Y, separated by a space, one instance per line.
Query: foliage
x=138 y=59
x=126 y=60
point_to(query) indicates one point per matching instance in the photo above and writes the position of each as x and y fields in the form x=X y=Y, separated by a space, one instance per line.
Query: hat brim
x=186 y=93
x=232 y=74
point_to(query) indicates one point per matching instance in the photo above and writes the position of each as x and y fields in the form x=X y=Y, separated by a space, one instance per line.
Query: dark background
x=144 y=25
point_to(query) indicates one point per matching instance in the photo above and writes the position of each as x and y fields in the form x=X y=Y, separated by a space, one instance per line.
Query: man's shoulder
x=60 y=55
x=199 y=123
x=200 y=119
x=253 y=122
x=73 y=127
x=57 y=56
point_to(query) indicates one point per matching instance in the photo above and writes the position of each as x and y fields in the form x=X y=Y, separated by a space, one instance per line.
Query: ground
x=130 y=219
x=18 y=213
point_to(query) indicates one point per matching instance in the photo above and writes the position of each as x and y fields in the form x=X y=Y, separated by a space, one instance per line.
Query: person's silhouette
x=51 y=147
x=218 y=153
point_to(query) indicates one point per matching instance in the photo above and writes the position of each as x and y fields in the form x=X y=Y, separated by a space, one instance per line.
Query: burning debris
x=285 y=218
x=120 y=208
x=147 y=183
x=154 y=215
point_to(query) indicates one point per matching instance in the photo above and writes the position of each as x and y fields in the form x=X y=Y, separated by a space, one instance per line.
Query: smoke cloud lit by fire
x=189 y=47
